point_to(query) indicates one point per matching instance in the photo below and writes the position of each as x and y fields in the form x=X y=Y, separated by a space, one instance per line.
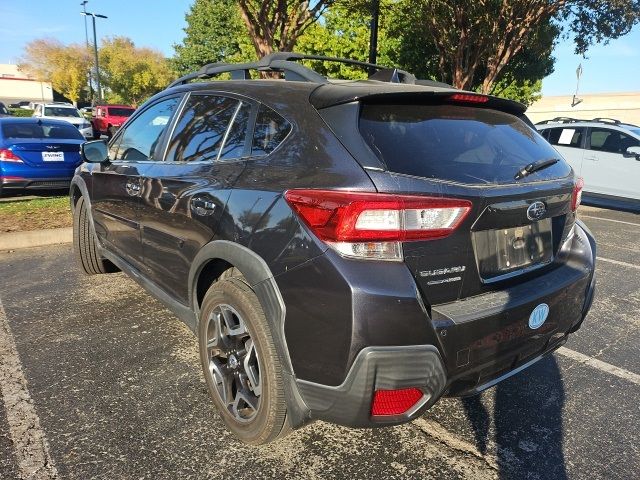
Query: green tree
x=65 y=66
x=132 y=74
x=486 y=35
x=215 y=32
x=276 y=25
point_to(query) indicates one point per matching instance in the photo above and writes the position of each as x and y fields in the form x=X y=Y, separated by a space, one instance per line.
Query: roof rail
x=607 y=120
x=285 y=62
x=561 y=120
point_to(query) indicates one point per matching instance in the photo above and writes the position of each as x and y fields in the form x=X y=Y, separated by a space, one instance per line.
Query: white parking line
x=618 y=262
x=30 y=445
x=611 y=220
x=600 y=365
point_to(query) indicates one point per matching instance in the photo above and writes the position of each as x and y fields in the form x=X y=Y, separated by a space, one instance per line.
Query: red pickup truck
x=107 y=119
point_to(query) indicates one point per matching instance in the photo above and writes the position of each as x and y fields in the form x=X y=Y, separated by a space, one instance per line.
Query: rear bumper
x=39 y=183
x=470 y=345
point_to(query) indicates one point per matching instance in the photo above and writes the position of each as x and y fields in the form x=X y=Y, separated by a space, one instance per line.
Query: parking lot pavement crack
x=443 y=436
x=30 y=446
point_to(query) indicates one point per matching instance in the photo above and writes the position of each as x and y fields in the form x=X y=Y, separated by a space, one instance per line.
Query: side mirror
x=633 y=152
x=95 y=151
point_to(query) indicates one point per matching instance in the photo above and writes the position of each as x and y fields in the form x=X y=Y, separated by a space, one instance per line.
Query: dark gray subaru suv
x=349 y=251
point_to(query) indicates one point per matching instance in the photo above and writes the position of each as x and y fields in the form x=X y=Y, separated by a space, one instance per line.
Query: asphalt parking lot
x=100 y=381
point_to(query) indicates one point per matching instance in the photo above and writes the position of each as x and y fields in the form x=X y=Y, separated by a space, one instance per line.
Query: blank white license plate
x=52 y=156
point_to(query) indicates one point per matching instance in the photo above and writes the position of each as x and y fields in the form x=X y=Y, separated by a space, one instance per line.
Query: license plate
x=52 y=156
x=506 y=250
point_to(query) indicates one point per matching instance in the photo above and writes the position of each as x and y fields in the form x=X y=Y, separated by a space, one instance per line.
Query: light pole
x=373 y=38
x=95 y=49
x=83 y=4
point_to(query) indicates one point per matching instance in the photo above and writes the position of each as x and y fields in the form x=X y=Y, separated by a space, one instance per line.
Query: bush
x=21 y=112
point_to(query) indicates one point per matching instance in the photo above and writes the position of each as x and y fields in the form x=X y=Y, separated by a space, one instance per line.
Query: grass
x=36 y=214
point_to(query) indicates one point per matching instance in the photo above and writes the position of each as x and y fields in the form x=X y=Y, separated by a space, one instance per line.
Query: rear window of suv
x=459 y=144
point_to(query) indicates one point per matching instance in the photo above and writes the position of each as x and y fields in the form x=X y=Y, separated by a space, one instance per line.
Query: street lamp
x=95 y=48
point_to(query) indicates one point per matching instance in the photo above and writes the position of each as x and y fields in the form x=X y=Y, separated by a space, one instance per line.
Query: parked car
x=86 y=110
x=37 y=154
x=23 y=104
x=344 y=251
x=108 y=118
x=65 y=111
x=4 y=111
x=605 y=152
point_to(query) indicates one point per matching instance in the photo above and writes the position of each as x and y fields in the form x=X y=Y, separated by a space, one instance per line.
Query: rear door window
x=200 y=131
x=460 y=144
x=566 y=137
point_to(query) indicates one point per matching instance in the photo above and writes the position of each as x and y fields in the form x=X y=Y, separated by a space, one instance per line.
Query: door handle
x=202 y=206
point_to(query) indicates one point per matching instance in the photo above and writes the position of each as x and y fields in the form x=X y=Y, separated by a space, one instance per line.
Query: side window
x=565 y=137
x=237 y=136
x=140 y=138
x=200 y=132
x=611 y=141
x=270 y=130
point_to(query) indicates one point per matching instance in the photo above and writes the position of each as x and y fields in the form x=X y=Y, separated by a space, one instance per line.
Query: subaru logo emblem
x=536 y=211
x=538 y=316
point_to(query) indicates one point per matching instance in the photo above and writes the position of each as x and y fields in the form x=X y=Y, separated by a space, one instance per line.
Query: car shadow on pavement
x=527 y=423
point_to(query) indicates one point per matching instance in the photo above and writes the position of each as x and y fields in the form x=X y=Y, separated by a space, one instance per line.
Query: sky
x=159 y=23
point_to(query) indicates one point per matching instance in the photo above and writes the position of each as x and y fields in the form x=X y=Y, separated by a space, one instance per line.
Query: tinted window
x=462 y=144
x=3 y=109
x=612 y=141
x=120 y=112
x=201 y=129
x=61 y=112
x=140 y=138
x=45 y=130
x=237 y=136
x=566 y=137
x=270 y=130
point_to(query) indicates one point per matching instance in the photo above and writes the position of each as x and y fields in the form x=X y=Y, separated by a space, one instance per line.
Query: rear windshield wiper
x=535 y=167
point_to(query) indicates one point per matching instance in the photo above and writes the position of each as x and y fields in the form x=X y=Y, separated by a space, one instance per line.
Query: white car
x=65 y=111
x=605 y=153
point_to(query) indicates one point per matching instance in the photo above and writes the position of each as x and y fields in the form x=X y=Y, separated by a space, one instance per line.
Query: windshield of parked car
x=40 y=130
x=455 y=143
x=120 y=112
x=3 y=109
x=61 y=112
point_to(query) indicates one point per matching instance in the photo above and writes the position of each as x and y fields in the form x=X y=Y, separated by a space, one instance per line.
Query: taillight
x=8 y=156
x=576 y=198
x=394 y=402
x=372 y=225
x=468 y=98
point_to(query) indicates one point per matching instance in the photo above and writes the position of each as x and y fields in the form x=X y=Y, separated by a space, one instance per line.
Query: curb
x=35 y=238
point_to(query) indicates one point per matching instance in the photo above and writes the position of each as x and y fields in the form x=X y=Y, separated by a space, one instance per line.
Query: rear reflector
x=394 y=402
x=8 y=156
x=576 y=198
x=365 y=225
x=468 y=98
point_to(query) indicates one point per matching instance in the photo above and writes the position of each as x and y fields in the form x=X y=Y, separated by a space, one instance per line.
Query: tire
x=250 y=402
x=85 y=245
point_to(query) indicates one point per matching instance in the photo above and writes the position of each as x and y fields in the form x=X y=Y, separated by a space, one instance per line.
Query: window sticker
x=566 y=136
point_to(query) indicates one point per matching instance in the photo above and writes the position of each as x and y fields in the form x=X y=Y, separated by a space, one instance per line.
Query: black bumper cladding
x=378 y=368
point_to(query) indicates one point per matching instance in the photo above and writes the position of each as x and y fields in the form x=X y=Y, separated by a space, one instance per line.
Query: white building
x=16 y=86
x=621 y=106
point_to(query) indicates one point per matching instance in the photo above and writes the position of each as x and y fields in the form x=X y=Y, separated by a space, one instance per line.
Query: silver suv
x=605 y=152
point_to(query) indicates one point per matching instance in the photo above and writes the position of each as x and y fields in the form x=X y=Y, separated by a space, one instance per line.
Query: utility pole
x=95 y=49
x=86 y=41
x=373 y=39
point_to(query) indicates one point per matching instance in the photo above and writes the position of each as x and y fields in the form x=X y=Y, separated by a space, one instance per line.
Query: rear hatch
x=468 y=149
x=43 y=144
x=463 y=151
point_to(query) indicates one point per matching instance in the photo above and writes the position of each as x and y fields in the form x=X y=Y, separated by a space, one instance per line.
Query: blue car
x=37 y=153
